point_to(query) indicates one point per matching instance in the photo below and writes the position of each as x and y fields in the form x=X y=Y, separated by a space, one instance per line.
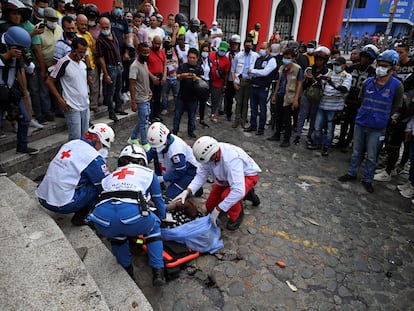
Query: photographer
x=13 y=84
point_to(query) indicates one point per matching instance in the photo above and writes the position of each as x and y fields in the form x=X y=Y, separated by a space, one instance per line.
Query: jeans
x=142 y=123
x=283 y=116
x=171 y=85
x=365 y=140
x=117 y=221
x=177 y=186
x=324 y=118
x=78 y=122
x=258 y=96
x=112 y=92
x=180 y=106
x=307 y=109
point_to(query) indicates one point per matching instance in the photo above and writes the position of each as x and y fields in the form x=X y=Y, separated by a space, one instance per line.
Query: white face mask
x=310 y=50
x=51 y=25
x=381 y=71
x=104 y=152
x=91 y=23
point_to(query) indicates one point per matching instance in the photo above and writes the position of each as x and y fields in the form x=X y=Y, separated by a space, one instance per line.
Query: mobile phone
x=41 y=25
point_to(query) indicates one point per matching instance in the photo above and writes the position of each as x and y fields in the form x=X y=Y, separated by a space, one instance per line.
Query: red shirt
x=223 y=63
x=156 y=61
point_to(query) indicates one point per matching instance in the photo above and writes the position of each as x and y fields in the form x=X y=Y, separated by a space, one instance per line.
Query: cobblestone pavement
x=344 y=249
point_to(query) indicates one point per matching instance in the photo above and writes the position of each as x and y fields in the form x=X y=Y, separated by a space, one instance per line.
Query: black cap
x=69 y=6
x=340 y=61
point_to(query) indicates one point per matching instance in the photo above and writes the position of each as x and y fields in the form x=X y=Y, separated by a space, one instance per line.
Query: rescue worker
x=177 y=164
x=72 y=182
x=235 y=175
x=123 y=212
x=382 y=96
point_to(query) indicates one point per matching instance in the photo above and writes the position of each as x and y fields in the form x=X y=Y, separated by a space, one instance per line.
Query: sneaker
x=346 y=177
x=234 y=225
x=383 y=176
x=252 y=196
x=214 y=118
x=158 y=278
x=404 y=186
x=146 y=147
x=121 y=113
x=29 y=151
x=113 y=117
x=208 y=104
x=125 y=97
x=235 y=124
x=313 y=147
x=297 y=140
x=164 y=112
x=325 y=151
x=35 y=124
x=2 y=135
x=133 y=141
x=408 y=193
x=204 y=124
x=368 y=186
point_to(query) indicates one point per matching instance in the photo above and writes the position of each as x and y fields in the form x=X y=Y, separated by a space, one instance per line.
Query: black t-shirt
x=359 y=75
x=315 y=73
x=187 y=86
x=406 y=74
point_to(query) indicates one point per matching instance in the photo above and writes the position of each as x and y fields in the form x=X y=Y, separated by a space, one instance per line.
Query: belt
x=115 y=64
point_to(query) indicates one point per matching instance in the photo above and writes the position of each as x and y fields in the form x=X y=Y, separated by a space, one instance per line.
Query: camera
x=26 y=55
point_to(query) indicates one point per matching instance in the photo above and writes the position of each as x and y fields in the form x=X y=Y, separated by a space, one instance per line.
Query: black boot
x=158 y=278
x=79 y=218
x=252 y=196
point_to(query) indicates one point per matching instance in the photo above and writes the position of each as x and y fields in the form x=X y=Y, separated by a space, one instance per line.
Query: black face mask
x=247 y=49
x=143 y=58
x=70 y=35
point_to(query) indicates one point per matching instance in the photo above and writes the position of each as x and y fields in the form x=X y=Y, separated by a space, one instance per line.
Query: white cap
x=214 y=23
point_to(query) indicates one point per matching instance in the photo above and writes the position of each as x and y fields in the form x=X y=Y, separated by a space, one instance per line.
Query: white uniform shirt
x=230 y=170
x=191 y=38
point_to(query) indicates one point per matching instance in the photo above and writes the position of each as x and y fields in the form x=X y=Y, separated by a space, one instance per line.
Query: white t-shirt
x=152 y=32
x=191 y=38
x=217 y=40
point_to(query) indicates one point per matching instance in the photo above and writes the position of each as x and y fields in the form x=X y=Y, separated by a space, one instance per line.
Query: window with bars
x=228 y=17
x=284 y=18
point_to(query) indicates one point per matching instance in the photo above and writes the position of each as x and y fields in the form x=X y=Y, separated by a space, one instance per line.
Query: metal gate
x=228 y=17
x=284 y=18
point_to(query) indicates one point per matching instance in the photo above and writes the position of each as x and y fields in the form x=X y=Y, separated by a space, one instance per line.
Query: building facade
x=372 y=16
x=305 y=20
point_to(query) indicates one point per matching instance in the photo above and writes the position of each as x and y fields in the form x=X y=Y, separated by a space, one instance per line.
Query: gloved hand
x=213 y=215
x=160 y=179
x=181 y=197
x=169 y=218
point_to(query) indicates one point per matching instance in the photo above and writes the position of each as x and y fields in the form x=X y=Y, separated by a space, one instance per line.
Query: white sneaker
x=35 y=124
x=383 y=176
x=404 y=186
x=125 y=97
x=379 y=170
x=133 y=141
x=408 y=193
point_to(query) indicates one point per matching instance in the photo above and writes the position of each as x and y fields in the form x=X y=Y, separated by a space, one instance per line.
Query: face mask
x=204 y=54
x=41 y=11
x=118 y=12
x=73 y=16
x=91 y=23
x=143 y=58
x=106 y=32
x=381 y=71
x=311 y=50
x=104 y=152
x=331 y=60
x=286 y=61
x=247 y=49
x=221 y=53
x=70 y=35
x=262 y=52
x=129 y=21
x=51 y=25
x=214 y=27
x=337 y=68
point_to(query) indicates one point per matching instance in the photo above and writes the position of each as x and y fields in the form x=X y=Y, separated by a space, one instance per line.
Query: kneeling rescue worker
x=123 y=211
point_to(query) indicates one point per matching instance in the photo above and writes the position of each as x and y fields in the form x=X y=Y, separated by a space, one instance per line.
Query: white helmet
x=204 y=148
x=104 y=132
x=134 y=152
x=157 y=135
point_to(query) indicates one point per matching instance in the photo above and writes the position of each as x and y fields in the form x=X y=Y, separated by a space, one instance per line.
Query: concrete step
x=40 y=269
x=48 y=141
x=118 y=289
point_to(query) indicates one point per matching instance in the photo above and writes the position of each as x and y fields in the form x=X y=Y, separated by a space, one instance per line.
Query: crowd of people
x=64 y=56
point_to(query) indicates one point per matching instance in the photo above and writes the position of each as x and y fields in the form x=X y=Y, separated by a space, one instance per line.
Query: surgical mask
x=331 y=60
x=221 y=53
x=381 y=71
x=91 y=23
x=311 y=50
x=337 y=68
x=129 y=21
x=104 y=152
x=41 y=11
x=70 y=35
x=51 y=25
x=118 y=12
x=262 y=52
x=286 y=61
x=204 y=54
x=106 y=32
x=214 y=27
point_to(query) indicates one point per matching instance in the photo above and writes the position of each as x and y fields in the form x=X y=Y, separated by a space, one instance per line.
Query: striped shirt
x=108 y=49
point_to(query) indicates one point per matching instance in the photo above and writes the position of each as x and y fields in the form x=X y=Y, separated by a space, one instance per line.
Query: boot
x=252 y=196
x=79 y=218
x=130 y=270
x=158 y=278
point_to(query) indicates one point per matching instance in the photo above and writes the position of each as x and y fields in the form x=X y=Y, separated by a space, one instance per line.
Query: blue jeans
x=179 y=185
x=324 y=118
x=258 y=96
x=142 y=123
x=180 y=107
x=112 y=92
x=171 y=85
x=117 y=221
x=369 y=141
x=78 y=122
x=307 y=109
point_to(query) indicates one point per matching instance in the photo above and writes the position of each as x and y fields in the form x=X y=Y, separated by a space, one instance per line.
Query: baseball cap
x=214 y=23
x=69 y=6
x=275 y=49
x=340 y=61
x=224 y=46
x=50 y=13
